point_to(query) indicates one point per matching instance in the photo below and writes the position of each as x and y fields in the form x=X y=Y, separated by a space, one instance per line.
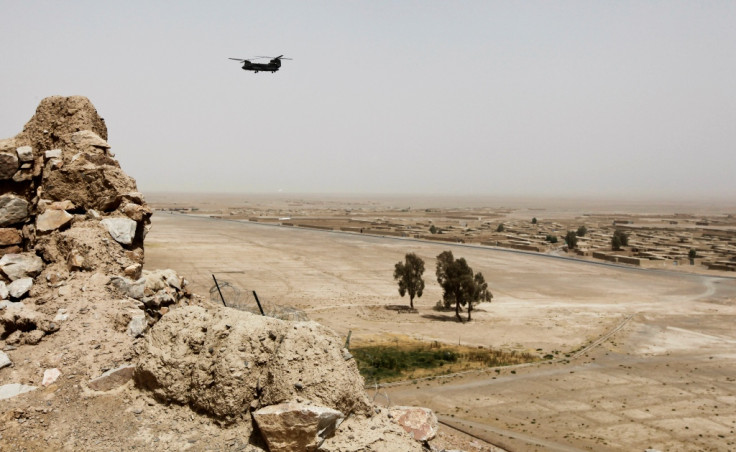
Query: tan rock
x=13 y=210
x=112 y=378
x=296 y=426
x=52 y=220
x=8 y=165
x=220 y=360
x=10 y=236
x=21 y=265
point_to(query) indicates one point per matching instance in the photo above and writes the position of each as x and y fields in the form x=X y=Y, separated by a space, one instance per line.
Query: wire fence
x=242 y=299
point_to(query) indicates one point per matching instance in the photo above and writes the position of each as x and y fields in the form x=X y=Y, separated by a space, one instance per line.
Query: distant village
x=653 y=241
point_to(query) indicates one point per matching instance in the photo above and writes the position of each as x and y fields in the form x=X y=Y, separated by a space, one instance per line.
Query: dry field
x=661 y=373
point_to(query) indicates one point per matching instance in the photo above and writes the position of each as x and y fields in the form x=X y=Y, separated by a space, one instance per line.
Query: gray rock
x=297 y=426
x=13 y=389
x=21 y=265
x=132 y=289
x=8 y=165
x=112 y=378
x=121 y=229
x=13 y=210
x=20 y=287
x=137 y=325
x=3 y=291
x=25 y=153
x=52 y=220
x=4 y=360
x=53 y=154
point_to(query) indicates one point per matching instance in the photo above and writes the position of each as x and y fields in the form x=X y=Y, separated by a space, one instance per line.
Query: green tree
x=571 y=239
x=459 y=285
x=692 y=254
x=433 y=229
x=551 y=238
x=582 y=230
x=534 y=220
x=409 y=274
x=500 y=228
x=619 y=239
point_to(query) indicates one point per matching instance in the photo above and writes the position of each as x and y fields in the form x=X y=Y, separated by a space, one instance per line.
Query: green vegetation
x=409 y=274
x=571 y=239
x=500 y=228
x=433 y=229
x=551 y=238
x=692 y=254
x=414 y=359
x=534 y=220
x=619 y=239
x=582 y=230
x=459 y=285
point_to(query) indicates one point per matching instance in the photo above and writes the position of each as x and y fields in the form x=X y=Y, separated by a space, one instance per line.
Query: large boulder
x=420 y=422
x=23 y=265
x=223 y=360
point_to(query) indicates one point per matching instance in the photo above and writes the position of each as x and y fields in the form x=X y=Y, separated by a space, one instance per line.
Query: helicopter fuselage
x=272 y=66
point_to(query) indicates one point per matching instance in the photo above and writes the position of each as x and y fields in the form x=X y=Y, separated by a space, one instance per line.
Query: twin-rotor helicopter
x=271 y=66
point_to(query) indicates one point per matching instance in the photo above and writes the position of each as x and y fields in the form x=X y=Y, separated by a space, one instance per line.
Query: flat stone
x=10 y=236
x=420 y=422
x=52 y=220
x=121 y=229
x=8 y=165
x=25 y=153
x=21 y=265
x=53 y=154
x=50 y=376
x=13 y=210
x=296 y=426
x=20 y=287
x=3 y=291
x=13 y=389
x=112 y=378
x=4 y=360
x=87 y=138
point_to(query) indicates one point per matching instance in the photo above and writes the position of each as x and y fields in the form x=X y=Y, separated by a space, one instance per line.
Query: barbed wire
x=244 y=300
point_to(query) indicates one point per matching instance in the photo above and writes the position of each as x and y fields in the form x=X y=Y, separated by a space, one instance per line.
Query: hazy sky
x=459 y=97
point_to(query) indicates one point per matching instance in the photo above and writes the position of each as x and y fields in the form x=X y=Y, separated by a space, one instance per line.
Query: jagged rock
x=50 y=376
x=121 y=229
x=112 y=378
x=4 y=360
x=3 y=291
x=13 y=210
x=159 y=279
x=138 y=325
x=25 y=153
x=296 y=426
x=21 y=265
x=10 y=236
x=13 y=389
x=132 y=289
x=133 y=271
x=219 y=361
x=420 y=422
x=136 y=212
x=20 y=287
x=86 y=139
x=52 y=219
x=8 y=165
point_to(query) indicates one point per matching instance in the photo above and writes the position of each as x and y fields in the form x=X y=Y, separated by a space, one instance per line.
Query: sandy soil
x=665 y=379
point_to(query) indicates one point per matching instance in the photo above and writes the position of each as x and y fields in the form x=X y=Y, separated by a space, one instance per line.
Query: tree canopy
x=409 y=274
x=571 y=239
x=459 y=284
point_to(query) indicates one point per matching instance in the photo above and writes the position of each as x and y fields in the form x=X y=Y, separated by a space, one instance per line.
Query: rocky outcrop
x=420 y=422
x=224 y=362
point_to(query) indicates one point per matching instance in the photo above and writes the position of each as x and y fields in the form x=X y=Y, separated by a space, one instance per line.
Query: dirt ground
x=661 y=377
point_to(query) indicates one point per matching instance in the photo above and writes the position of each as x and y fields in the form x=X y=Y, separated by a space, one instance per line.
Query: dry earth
x=662 y=377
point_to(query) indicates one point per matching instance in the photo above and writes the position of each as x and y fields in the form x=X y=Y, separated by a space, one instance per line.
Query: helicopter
x=271 y=66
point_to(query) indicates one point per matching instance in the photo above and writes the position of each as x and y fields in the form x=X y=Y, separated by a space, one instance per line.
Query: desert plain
x=643 y=358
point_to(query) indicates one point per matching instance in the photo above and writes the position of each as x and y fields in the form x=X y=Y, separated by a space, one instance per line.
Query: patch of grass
x=400 y=360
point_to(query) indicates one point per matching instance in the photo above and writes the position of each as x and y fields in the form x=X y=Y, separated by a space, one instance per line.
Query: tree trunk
x=411 y=301
x=457 y=310
x=470 y=308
